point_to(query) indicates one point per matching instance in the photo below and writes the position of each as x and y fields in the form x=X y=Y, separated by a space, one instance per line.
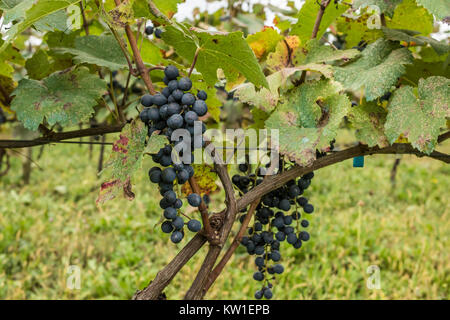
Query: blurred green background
x=360 y=220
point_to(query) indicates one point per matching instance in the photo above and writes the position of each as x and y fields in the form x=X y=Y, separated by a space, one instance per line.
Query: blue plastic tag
x=358 y=162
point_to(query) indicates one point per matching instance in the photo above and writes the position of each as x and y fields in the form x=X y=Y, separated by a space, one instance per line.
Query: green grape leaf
x=315 y=52
x=39 y=66
x=408 y=15
x=150 y=53
x=421 y=69
x=309 y=119
x=268 y=99
x=419 y=118
x=155 y=143
x=282 y=57
x=11 y=54
x=440 y=8
x=125 y=159
x=378 y=68
x=35 y=10
x=368 y=119
x=213 y=102
x=386 y=6
x=411 y=36
x=65 y=97
x=264 y=42
x=227 y=51
x=103 y=51
x=55 y=21
x=356 y=30
x=15 y=9
x=307 y=17
x=167 y=7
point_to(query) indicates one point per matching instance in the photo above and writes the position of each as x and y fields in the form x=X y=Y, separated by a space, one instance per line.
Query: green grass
x=360 y=221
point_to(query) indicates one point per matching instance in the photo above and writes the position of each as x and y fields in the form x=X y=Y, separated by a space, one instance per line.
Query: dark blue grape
x=164 y=204
x=268 y=293
x=309 y=175
x=166 y=92
x=178 y=204
x=259 y=262
x=302 y=201
x=171 y=72
x=258 y=276
x=185 y=84
x=294 y=191
x=171 y=196
x=280 y=236
x=159 y=99
x=304 y=183
x=194 y=225
x=202 y=95
x=149 y=30
x=170 y=213
x=291 y=238
x=166 y=161
x=287 y=220
x=153 y=114
x=178 y=223
x=176 y=236
x=200 y=108
x=258 y=295
x=284 y=205
x=177 y=94
x=155 y=177
x=308 y=208
x=182 y=176
x=298 y=244
x=188 y=99
x=194 y=200
x=278 y=268
x=304 y=236
x=158 y=33
x=147 y=100
x=275 y=256
x=259 y=250
x=288 y=230
x=168 y=175
x=278 y=222
x=175 y=121
x=305 y=223
x=190 y=117
x=167 y=227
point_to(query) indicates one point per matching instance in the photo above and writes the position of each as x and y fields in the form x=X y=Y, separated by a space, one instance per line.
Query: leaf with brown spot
x=125 y=159
x=65 y=97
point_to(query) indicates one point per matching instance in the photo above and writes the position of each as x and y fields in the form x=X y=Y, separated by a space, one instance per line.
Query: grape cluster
x=175 y=107
x=278 y=218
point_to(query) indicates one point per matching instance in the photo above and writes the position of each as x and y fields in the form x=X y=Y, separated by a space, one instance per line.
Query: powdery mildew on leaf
x=309 y=119
x=378 y=68
x=419 y=118
x=368 y=119
x=66 y=97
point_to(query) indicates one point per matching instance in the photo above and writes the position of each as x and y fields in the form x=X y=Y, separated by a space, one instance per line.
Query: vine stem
x=194 y=62
x=143 y=71
x=215 y=273
x=164 y=277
